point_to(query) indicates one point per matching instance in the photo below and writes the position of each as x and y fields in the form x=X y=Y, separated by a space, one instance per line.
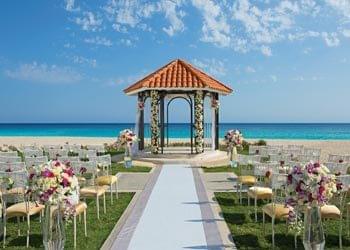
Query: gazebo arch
x=177 y=78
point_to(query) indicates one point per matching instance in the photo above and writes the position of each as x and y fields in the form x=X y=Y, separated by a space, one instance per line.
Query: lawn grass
x=98 y=230
x=220 y=169
x=119 y=167
x=249 y=235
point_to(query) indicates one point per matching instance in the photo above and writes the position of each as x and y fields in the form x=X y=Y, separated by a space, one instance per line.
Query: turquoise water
x=314 y=131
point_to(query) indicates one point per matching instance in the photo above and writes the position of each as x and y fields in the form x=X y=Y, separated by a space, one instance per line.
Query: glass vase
x=127 y=157
x=233 y=157
x=313 y=229
x=53 y=228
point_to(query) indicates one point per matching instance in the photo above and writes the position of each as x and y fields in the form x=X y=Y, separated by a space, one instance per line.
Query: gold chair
x=246 y=176
x=92 y=190
x=105 y=162
x=276 y=209
x=334 y=210
x=80 y=208
x=21 y=204
x=261 y=190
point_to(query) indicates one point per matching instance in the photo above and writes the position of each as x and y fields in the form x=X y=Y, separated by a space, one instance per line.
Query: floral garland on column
x=154 y=122
x=198 y=121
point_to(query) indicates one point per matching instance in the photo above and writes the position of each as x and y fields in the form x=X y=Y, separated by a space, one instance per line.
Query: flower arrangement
x=233 y=138
x=198 y=122
x=154 y=122
x=308 y=186
x=55 y=183
x=126 y=138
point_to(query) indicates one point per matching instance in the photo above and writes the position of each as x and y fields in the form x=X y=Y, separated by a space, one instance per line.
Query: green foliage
x=119 y=167
x=260 y=143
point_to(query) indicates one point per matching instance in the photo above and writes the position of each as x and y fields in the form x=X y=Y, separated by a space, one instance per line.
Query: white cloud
x=99 y=41
x=84 y=61
x=174 y=17
x=346 y=33
x=307 y=50
x=331 y=39
x=69 y=46
x=35 y=72
x=133 y=13
x=89 y=22
x=250 y=69
x=266 y=50
x=212 y=66
x=126 y=42
x=70 y=6
x=342 y=6
x=215 y=28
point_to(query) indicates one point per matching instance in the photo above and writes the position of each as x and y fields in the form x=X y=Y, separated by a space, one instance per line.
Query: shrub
x=260 y=143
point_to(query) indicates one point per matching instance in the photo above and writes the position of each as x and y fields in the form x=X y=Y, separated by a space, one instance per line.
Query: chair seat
x=260 y=192
x=247 y=179
x=279 y=211
x=19 y=209
x=330 y=212
x=92 y=191
x=80 y=207
x=106 y=180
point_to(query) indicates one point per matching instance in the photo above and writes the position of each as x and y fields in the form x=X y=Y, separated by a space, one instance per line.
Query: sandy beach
x=327 y=146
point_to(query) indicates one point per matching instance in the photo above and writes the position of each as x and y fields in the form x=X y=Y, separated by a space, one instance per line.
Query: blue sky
x=68 y=61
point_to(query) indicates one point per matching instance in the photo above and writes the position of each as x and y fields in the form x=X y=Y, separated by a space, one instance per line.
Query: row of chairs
x=94 y=179
x=254 y=178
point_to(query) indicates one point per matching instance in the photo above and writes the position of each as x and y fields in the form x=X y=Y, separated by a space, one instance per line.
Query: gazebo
x=177 y=79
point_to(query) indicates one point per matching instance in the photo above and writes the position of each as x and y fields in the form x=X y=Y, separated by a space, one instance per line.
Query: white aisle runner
x=172 y=217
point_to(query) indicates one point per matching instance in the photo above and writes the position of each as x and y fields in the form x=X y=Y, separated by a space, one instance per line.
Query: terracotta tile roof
x=178 y=74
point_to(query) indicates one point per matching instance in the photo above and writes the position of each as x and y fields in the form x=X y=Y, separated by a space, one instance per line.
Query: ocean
x=299 y=131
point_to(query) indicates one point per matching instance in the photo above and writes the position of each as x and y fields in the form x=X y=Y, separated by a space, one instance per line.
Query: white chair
x=86 y=154
x=338 y=158
x=93 y=190
x=107 y=179
x=248 y=159
x=9 y=154
x=74 y=148
x=276 y=209
x=308 y=158
x=261 y=189
x=100 y=149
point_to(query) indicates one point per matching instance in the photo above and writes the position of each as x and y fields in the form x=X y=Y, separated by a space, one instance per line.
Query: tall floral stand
x=53 y=228
x=127 y=157
x=313 y=230
x=233 y=157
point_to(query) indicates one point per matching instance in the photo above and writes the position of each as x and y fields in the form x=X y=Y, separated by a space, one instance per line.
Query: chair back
x=312 y=152
x=35 y=161
x=105 y=162
x=278 y=185
x=17 y=192
x=308 y=158
x=8 y=159
x=337 y=168
x=55 y=153
x=339 y=199
x=338 y=158
x=47 y=148
x=256 y=150
x=12 y=166
x=248 y=159
x=9 y=153
x=99 y=148
x=86 y=153
x=33 y=153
